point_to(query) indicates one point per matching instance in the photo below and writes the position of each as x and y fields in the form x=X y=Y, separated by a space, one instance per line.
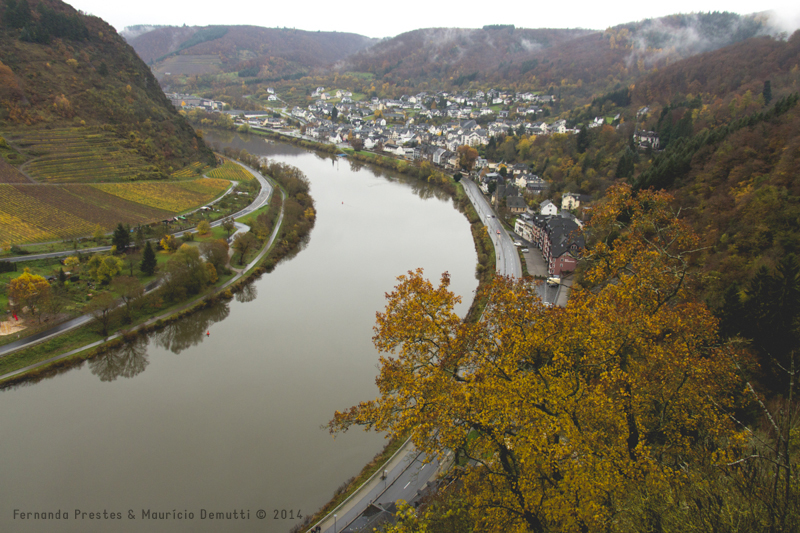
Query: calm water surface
x=184 y=422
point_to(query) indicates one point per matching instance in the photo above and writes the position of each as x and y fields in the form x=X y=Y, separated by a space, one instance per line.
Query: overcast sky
x=387 y=19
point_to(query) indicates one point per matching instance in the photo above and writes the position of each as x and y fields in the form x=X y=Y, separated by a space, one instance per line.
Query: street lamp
x=334 y=523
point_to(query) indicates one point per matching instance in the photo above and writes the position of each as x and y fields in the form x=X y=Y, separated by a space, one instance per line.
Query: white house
x=548 y=208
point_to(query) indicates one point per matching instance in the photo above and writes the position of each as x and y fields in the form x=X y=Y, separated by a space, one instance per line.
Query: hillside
x=78 y=107
x=250 y=50
x=728 y=125
x=447 y=53
x=63 y=69
x=578 y=62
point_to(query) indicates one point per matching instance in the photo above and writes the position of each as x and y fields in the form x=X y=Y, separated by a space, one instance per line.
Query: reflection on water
x=127 y=361
x=248 y=293
x=232 y=420
x=130 y=359
x=355 y=165
x=190 y=331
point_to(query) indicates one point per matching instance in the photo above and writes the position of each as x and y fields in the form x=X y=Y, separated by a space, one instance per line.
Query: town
x=439 y=128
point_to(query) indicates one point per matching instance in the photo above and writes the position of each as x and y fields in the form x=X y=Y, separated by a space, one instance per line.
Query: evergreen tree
x=767 y=92
x=148 y=266
x=625 y=167
x=583 y=139
x=121 y=238
x=731 y=315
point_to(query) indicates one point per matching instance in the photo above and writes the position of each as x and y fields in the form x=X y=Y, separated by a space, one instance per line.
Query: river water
x=189 y=424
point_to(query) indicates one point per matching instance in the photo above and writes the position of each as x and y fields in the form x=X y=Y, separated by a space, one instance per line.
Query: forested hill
x=63 y=69
x=729 y=126
x=255 y=50
x=455 y=57
x=576 y=62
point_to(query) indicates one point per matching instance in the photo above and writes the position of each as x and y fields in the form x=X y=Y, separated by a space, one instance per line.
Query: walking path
x=260 y=201
x=245 y=211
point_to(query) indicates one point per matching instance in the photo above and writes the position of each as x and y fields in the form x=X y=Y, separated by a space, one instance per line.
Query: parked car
x=553 y=281
x=524 y=250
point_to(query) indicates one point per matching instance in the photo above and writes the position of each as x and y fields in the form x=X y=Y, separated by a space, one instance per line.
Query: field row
x=191 y=171
x=230 y=171
x=9 y=174
x=71 y=155
x=87 y=167
x=173 y=196
x=37 y=213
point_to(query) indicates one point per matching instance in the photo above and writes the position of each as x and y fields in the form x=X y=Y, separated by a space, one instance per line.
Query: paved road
x=260 y=200
x=506 y=254
x=409 y=471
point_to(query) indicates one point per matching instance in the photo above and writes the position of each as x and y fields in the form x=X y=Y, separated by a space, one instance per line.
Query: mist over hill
x=264 y=52
x=578 y=61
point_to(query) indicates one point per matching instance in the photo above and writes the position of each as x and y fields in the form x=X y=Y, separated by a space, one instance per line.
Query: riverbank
x=484 y=270
x=36 y=363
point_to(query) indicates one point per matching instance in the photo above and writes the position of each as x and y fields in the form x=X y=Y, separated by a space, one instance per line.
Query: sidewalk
x=359 y=500
x=83 y=319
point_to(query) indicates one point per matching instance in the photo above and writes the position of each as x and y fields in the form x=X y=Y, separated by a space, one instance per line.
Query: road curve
x=260 y=200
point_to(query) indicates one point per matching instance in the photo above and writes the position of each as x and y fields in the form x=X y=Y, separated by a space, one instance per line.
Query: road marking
x=407 y=484
x=423 y=466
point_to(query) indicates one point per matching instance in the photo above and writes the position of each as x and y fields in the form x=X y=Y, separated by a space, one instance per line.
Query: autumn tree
x=101 y=307
x=204 y=228
x=104 y=267
x=169 y=243
x=564 y=416
x=73 y=264
x=186 y=273
x=98 y=233
x=29 y=290
x=228 y=225
x=243 y=243
x=130 y=291
x=467 y=156
x=215 y=253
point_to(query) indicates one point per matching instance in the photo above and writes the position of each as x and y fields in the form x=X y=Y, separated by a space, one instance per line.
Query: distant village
x=431 y=127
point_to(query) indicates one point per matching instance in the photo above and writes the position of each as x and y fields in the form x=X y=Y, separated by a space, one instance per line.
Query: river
x=184 y=423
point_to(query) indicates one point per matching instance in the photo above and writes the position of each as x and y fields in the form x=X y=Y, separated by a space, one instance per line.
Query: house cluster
x=509 y=189
x=424 y=105
x=646 y=139
x=188 y=101
x=556 y=233
x=405 y=127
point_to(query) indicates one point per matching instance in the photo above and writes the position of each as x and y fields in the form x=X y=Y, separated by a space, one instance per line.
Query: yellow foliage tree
x=563 y=414
x=103 y=268
x=72 y=264
x=204 y=227
x=169 y=243
x=29 y=290
x=212 y=273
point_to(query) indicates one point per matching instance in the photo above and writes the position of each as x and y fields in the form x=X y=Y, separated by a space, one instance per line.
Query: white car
x=524 y=250
x=553 y=281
